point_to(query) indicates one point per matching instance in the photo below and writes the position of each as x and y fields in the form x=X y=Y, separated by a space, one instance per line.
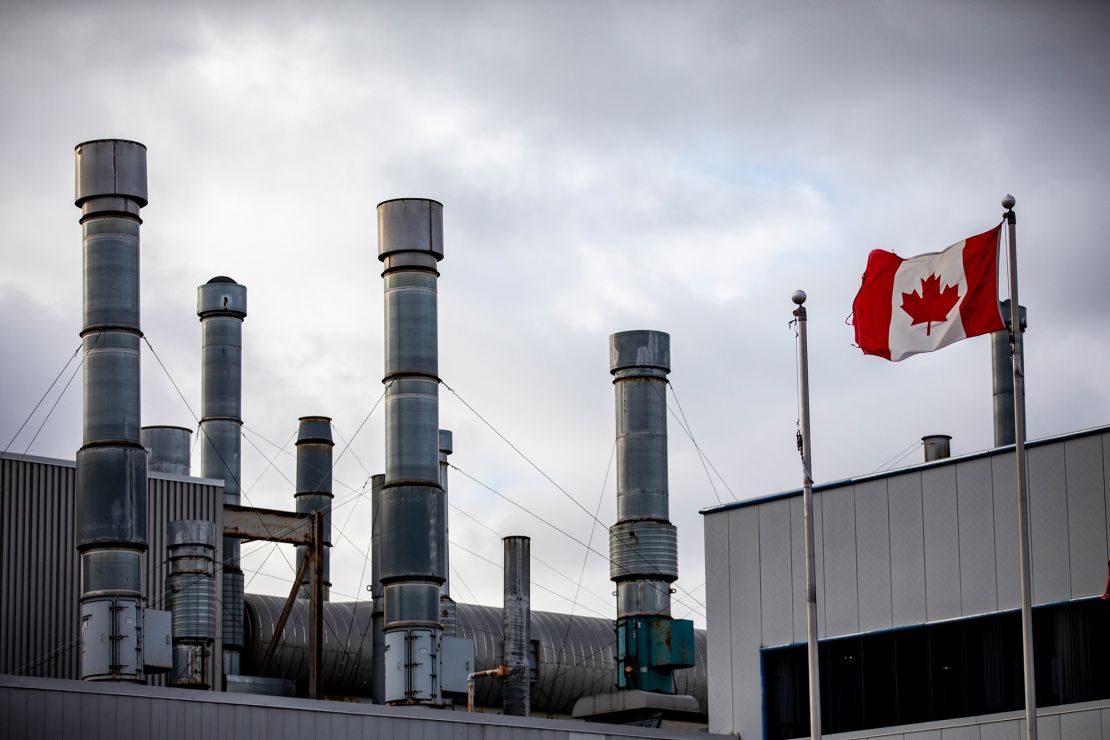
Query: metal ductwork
x=191 y=598
x=167 y=449
x=1003 y=376
x=111 y=481
x=222 y=306
x=412 y=506
x=937 y=447
x=516 y=646
x=448 y=614
x=574 y=656
x=314 y=473
x=377 y=617
x=643 y=544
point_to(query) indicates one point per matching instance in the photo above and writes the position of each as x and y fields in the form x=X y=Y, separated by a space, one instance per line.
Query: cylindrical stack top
x=110 y=176
x=191 y=532
x=937 y=446
x=410 y=225
x=642 y=350
x=314 y=430
x=222 y=296
x=446 y=442
x=167 y=448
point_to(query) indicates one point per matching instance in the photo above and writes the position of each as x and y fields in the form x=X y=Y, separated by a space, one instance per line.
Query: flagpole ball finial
x=1008 y=201
x=799 y=297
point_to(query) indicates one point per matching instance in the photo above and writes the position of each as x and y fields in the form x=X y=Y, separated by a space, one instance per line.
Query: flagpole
x=1022 y=478
x=799 y=298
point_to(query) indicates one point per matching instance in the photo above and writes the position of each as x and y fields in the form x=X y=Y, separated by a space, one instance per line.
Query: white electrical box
x=456 y=662
x=157 y=648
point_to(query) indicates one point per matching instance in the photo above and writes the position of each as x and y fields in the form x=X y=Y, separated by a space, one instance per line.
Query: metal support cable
x=46 y=393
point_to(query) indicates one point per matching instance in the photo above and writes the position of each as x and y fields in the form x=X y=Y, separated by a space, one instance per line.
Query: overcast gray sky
x=604 y=166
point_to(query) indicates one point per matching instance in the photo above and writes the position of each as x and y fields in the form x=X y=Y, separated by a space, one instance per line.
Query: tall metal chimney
x=1003 y=373
x=643 y=544
x=516 y=646
x=222 y=306
x=111 y=506
x=377 y=613
x=412 y=506
x=448 y=612
x=167 y=449
x=191 y=596
x=937 y=447
x=314 y=473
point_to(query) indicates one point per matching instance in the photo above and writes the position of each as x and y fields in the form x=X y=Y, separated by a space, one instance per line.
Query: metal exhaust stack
x=937 y=447
x=516 y=692
x=222 y=306
x=448 y=611
x=412 y=506
x=1003 y=375
x=167 y=449
x=314 y=473
x=643 y=544
x=111 y=506
x=191 y=597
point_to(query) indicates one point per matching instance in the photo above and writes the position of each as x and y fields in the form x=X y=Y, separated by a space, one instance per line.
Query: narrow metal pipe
x=799 y=299
x=191 y=598
x=111 y=479
x=314 y=489
x=377 y=617
x=1017 y=355
x=516 y=646
x=412 y=505
x=222 y=306
x=167 y=449
x=1002 y=375
x=448 y=611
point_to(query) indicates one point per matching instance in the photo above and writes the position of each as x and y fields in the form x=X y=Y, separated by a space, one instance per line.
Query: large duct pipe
x=377 y=617
x=222 y=306
x=448 y=613
x=643 y=544
x=575 y=654
x=167 y=449
x=111 y=506
x=1003 y=376
x=314 y=472
x=191 y=598
x=516 y=646
x=412 y=507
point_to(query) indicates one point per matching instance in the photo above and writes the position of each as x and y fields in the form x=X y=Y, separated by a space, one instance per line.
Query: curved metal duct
x=574 y=655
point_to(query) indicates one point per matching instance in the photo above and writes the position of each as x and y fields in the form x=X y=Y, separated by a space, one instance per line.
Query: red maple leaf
x=932 y=305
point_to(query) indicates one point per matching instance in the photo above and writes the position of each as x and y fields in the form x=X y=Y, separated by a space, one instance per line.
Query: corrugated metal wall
x=76 y=710
x=935 y=542
x=39 y=571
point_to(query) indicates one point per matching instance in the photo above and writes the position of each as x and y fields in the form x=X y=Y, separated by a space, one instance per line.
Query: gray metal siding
x=1048 y=523
x=942 y=543
x=718 y=584
x=1086 y=516
x=776 y=577
x=744 y=598
x=873 y=556
x=1008 y=585
x=39 y=572
x=975 y=512
x=839 y=530
x=907 y=550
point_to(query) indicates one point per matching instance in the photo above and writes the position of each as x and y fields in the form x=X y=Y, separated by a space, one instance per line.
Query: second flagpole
x=799 y=298
x=1022 y=478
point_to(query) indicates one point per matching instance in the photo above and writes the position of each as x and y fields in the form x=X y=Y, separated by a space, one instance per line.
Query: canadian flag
x=908 y=306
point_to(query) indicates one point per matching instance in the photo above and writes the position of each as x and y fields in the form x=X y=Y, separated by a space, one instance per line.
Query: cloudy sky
x=604 y=166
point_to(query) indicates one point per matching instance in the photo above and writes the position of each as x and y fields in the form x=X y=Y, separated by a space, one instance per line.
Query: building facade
x=918 y=600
